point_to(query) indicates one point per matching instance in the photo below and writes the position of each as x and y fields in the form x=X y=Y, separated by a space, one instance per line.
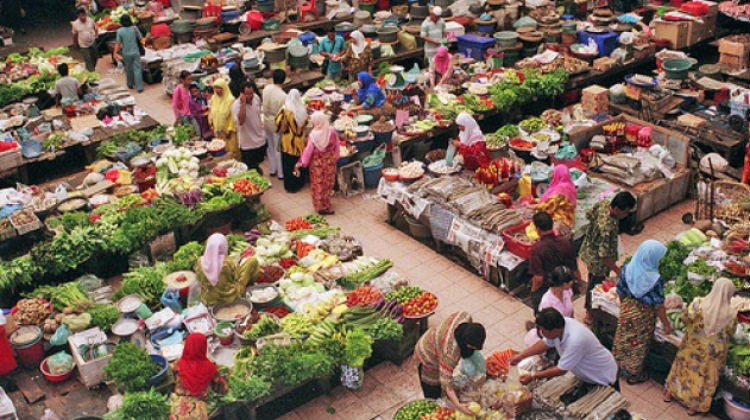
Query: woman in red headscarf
x=195 y=377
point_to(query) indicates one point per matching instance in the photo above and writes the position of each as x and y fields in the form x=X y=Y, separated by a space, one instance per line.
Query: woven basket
x=514 y=410
x=735 y=193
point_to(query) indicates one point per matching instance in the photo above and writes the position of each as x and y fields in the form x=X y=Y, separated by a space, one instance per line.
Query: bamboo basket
x=736 y=194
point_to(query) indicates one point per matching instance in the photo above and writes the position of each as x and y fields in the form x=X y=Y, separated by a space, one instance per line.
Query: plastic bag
x=171 y=299
x=60 y=337
x=449 y=154
x=77 y=322
x=89 y=282
x=375 y=158
x=60 y=363
x=194 y=295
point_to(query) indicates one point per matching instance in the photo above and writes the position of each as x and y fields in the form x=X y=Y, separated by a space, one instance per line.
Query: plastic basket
x=11 y=159
x=474 y=46
x=27 y=227
x=515 y=246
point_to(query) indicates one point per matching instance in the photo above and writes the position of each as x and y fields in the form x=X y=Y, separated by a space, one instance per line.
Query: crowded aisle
x=253 y=217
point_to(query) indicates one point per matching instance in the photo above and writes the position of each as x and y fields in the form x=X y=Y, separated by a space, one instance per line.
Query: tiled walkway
x=387 y=386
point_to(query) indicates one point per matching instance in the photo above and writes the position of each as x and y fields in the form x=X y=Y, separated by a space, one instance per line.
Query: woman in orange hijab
x=195 y=377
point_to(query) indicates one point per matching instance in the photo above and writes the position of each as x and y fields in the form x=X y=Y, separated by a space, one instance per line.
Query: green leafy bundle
x=670 y=266
x=739 y=359
x=148 y=405
x=358 y=347
x=146 y=282
x=130 y=367
x=186 y=256
x=246 y=388
x=103 y=315
x=385 y=328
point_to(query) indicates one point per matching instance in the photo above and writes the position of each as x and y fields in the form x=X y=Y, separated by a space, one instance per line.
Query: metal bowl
x=216 y=308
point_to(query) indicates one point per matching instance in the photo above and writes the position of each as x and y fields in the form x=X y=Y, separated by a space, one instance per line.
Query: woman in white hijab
x=290 y=124
x=709 y=324
x=470 y=142
x=358 y=56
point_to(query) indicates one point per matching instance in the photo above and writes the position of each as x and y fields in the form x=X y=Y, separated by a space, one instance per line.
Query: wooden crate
x=90 y=373
x=11 y=159
x=728 y=46
x=675 y=32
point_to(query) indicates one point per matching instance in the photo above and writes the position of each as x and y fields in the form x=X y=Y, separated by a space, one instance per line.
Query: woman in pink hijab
x=559 y=201
x=321 y=154
x=441 y=70
x=223 y=277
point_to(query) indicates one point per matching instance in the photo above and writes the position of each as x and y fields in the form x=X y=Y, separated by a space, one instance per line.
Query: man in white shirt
x=246 y=112
x=273 y=100
x=66 y=87
x=432 y=32
x=84 y=38
x=579 y=349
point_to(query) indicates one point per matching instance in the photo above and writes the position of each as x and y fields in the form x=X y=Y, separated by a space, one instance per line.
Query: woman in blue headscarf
x=369 y=95
x=641 y=302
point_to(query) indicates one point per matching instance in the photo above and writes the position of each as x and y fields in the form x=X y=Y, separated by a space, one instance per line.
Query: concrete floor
x=387 y=386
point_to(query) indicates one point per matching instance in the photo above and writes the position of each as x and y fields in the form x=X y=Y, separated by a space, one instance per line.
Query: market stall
x=316 y=310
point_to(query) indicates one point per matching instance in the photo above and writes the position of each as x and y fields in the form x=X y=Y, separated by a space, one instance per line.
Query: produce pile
x=120 y=228
x=27 y=74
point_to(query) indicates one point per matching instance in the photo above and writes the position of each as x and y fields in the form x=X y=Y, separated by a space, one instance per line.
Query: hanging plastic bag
x=450 y=153
x=60 y=363
x=61 y=193
x=171 y=299
x=524 y=186
x=194 y=295
x=60 y=337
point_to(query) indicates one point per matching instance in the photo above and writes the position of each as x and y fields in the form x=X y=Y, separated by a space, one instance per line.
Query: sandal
x=667 y=397
x=635 y=380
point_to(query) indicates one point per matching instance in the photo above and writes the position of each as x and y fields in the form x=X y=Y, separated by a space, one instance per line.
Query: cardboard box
x=734 y=62
x=604 y=63
x=734 y=48
x=595 y=99
x=675 y=32
x=697 y=31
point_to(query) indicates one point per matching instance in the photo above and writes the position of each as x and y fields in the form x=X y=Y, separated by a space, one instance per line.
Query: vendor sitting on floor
x=441 y=70
x=66 y=87
x=223 y=278
x=579 y=349
x=369 y=95
x=195 y=377
x=470 y=143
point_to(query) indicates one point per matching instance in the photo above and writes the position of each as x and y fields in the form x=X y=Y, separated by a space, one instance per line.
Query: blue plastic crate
x=474 y=46
x=606 y=42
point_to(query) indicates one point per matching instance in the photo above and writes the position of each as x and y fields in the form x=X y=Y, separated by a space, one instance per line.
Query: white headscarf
x=294 y=103
x=320 y=135
x=471 y=133
x=359 y=45
x=717 y=308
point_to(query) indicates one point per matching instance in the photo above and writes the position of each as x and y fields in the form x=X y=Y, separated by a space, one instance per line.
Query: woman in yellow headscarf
x=220 y=117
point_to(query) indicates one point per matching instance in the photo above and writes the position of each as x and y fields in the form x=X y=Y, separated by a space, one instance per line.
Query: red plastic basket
x=575 y=163
x=515 y=246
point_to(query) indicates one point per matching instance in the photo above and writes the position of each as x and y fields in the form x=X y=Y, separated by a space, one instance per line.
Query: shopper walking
x=331 y=48
x=358 y=56
x=439 y=351
x=641 y=302
x=290 y=124
x=246 y=112
x=432 y=32
x=548 y=253
x=220 y=117
x=84 y=38
x=199 y=111
x=599 y=247
x=320 y=155
x=710 y=323
x=128 y=52
x=273 y=100
x=181 y=99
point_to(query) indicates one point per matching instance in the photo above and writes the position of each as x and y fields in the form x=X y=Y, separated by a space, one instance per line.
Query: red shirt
x=551 y=251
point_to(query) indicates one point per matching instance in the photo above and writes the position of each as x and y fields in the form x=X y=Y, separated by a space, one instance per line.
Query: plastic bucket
x=372 y=175
x=365 y=146
x=27 y=342
x=163 y=367
x=224 y=339
x=381 y=138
